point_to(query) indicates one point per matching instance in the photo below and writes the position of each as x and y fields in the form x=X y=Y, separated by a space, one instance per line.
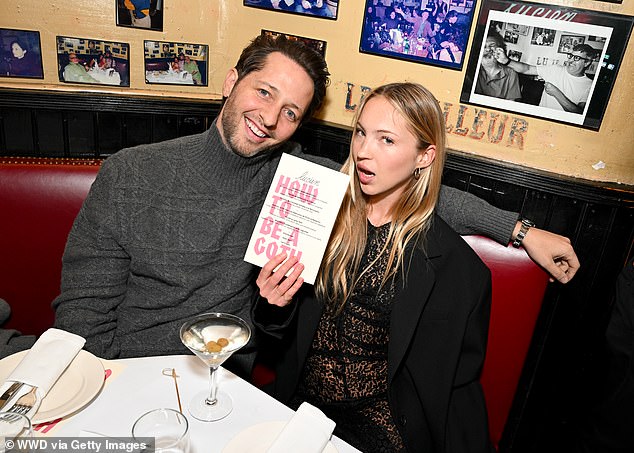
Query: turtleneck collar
x=228 y=169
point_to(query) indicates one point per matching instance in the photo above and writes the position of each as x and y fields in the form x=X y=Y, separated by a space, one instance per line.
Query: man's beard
x=230 y=123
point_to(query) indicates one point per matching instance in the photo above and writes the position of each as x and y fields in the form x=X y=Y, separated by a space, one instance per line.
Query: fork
x=25 y=403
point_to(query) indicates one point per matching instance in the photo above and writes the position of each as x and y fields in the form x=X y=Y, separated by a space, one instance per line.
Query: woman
x=391 y=341
x=24 y=63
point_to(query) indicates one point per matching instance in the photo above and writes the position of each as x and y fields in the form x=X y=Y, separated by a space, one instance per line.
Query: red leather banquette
x=40 y=197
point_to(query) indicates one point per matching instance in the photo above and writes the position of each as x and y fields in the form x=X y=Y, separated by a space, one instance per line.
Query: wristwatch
x=526 y=224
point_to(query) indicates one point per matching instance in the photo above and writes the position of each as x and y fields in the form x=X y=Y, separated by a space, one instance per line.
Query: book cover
x=298 y=214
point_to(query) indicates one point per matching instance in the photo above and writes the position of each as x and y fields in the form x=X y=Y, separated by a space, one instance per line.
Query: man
x=76 y=72
x=421 y=28
x=139 y=13
x=494 y=79
x=566 y=87
x=192 y=67
x=162 y=234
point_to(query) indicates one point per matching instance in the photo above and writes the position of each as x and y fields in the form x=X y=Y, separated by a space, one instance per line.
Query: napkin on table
x=46 y=361
x=308 y=431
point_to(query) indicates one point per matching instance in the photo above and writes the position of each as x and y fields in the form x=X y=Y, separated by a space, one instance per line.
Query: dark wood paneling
x=50 y=133
x=598 y=218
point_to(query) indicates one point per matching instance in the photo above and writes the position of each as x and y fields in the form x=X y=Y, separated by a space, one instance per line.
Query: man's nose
x=270 y=115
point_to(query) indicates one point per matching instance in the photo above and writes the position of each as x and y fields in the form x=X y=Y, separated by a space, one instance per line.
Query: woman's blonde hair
x=411 y=216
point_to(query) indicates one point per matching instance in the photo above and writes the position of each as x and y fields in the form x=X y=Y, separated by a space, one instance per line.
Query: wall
x=227 y=26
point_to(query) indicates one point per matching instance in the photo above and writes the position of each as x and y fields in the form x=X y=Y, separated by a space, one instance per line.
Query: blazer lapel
x=308 y=319
x=410 y=302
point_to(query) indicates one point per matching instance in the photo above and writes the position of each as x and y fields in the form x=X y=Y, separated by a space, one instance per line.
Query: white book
x=298 y=214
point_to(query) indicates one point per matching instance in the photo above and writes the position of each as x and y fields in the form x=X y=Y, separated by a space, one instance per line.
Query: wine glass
x=165 y=431
x=213 y=337
x=15 y=430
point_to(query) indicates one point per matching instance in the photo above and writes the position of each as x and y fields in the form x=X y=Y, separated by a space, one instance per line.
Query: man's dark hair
x=254 y=56
x=495 y=36
x=585 y=48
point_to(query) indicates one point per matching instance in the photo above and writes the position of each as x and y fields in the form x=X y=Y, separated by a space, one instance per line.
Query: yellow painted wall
x=227 y=26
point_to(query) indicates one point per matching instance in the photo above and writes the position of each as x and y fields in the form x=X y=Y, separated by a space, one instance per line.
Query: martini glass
x=213 y=337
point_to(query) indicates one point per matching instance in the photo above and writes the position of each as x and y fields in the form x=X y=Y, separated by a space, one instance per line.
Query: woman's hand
x=276 y=284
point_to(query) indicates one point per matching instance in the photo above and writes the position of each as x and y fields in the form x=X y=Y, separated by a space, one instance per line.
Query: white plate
x=258 y=438
x=75 y=388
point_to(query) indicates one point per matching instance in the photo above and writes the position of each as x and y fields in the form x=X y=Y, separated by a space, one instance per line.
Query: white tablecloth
x=169 y=77
x=106 y=76
x=141 y=386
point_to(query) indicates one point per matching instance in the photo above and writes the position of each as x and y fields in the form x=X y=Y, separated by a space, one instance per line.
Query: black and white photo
x=552 y=63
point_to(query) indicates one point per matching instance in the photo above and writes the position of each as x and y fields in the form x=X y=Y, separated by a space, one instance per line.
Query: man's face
x=488 y=56
x=266 y=107
x=17 y=51
x=578 y=68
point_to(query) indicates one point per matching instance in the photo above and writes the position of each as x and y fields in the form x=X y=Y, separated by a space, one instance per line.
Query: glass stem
x=213 y=387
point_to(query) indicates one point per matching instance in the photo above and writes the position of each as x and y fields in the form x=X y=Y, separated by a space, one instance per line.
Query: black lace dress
x=346 y=369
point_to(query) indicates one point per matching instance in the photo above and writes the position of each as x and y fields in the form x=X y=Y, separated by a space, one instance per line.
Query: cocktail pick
x=172 y=372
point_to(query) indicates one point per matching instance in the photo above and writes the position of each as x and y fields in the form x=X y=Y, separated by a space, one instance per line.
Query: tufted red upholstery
x=39 y=199
x=518 y=290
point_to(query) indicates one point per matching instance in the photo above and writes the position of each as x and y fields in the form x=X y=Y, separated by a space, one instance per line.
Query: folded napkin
x=308 y=431
x=46 y=361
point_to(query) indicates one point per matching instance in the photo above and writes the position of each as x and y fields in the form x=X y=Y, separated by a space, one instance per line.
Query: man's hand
x=552 y=252
x=500 y=56
x=551 y=89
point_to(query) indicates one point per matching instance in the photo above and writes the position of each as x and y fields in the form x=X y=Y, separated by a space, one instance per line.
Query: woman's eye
x=263 y=92
x=388 y=140
x=359 y=132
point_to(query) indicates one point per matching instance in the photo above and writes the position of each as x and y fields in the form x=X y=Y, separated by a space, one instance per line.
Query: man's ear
x=230 y=81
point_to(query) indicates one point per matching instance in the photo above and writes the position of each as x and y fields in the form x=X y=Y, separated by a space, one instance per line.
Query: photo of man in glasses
x=566 y=87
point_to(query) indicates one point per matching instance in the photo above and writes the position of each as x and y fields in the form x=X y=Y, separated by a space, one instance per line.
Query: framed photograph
x=175 y=63
x=511 y=37
x=91 y=61
x=147 y=14
x=543 y=37
x=518 y=29
x=20 y=54
x=325 y=9
x=568 y=61
x=318 y=45
x=514 y=55
x=568 y=42
x=433 y=32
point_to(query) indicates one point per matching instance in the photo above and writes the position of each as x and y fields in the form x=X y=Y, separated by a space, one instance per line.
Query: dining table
x=106 y=76
x=183 y=78
x=135 y=386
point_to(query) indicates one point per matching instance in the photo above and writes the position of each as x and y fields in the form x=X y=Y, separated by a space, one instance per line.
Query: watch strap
x=526 y=225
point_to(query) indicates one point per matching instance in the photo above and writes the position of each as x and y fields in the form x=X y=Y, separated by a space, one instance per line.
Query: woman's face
x=18 y=52
x=385 y=152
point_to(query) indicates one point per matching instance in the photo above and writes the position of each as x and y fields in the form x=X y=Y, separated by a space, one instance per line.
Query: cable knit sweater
x=162 y=235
